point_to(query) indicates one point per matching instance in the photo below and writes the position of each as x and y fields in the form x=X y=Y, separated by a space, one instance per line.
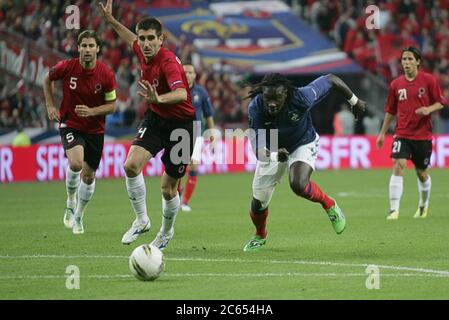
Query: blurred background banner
x=47 y=162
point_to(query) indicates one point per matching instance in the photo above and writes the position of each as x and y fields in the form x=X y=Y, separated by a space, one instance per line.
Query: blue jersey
x=293 y=122
x=201 y=102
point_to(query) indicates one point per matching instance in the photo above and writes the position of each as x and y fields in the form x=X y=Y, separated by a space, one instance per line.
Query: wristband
x=274 y=157
x=353 y=101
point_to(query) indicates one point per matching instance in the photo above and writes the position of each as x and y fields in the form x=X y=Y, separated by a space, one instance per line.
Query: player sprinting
x=277 y=105
x=165 y=87
x=203 y=110
x=88 y=96
x=412 y=98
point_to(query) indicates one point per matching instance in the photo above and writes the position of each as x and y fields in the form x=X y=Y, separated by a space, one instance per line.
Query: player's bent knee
x=76 y=166
x=168 y=193
x=89 y=179
x=131 y=169
x=298 y=186
x=263 y=196
x=256 y=206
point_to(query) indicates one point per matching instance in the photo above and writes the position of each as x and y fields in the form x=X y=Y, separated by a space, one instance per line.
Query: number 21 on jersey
x=396 y=146
x=402 y=94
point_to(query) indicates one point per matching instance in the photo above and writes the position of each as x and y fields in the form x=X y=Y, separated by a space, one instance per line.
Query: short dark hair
x=150 y=23
x=88 y=34
x=416 y=53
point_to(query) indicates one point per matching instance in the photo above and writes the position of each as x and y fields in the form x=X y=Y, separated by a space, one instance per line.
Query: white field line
x=375 y=194
x=230 y=275
x=443 y=273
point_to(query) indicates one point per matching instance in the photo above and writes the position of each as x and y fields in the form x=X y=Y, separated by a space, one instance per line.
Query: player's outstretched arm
x=52 y=112
x=358 y=106
x=123 y=32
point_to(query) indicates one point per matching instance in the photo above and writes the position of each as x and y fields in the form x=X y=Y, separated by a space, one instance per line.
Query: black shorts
x=92 y=144
x=419 y=151
x=154 y=135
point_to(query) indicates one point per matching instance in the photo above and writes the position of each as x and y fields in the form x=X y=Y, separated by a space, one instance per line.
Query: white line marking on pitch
x=375 y=194
x=231 y=275
x=322 y=263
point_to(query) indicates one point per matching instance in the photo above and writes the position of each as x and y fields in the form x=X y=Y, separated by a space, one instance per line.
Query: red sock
x=188 y=190
x=260 y=222
x=313 y=193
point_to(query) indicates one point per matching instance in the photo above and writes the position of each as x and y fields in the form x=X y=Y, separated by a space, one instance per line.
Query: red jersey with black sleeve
x=90 y=87
x=165 y=71
x=405 y=96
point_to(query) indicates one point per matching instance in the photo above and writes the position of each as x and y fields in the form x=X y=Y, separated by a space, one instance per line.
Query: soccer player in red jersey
x=168 y=124
x=411 y=99
x=88 y=96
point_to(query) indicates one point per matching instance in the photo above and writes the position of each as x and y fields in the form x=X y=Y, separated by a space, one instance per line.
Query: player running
x=277 y=105
x=170 y=110
x=88 y=96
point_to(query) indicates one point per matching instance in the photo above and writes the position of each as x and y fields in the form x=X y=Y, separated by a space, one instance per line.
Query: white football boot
x=135 y=231
x=162 y=239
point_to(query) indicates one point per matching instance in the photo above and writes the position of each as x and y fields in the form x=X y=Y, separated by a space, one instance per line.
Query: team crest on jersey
x=155 y=82
x=421 y=92
x=196 y=98
x=98 y=87
x=294 y=116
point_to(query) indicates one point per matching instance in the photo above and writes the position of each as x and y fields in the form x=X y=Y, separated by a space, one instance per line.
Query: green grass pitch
x=303 y=258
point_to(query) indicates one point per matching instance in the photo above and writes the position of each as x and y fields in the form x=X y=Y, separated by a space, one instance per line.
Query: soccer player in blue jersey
x=203 y=111
x=277 y=104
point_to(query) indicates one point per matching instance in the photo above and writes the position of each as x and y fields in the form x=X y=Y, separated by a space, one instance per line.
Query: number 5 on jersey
x=73 y=83
x=69 y=137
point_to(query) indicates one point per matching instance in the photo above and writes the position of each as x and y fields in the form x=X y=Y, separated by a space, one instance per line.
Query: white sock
x=396 y=187
x=424 y=192
x=85 y=193
x=170 y=209
x=137 y=195
x=72 y=181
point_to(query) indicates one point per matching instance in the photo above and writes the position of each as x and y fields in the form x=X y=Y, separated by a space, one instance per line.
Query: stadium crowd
x=423 y=24
x=343 y=21
x=44 y=22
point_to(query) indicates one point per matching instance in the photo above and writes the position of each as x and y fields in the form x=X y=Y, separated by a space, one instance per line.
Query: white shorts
x=197 y=150
x=269 y=174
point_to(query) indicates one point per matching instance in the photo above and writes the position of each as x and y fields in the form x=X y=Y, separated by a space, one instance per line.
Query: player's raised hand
x=82 y=111
x=150 y=94
x=106 y=10
x=283 y=155
x=358 y=109
x=53 y=113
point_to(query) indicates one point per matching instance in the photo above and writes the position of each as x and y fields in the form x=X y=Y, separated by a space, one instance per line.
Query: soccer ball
x=146 y=262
